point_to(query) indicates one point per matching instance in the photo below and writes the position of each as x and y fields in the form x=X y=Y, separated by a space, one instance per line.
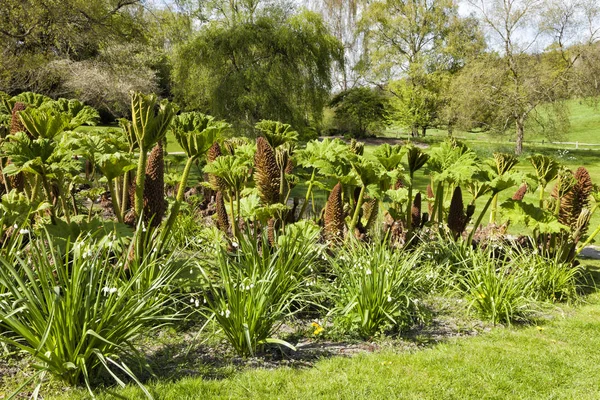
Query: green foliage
x=75 y=312
x=277 y=133
x=360 y=111
x=497 y=291
x=267 y=66
x=196 y=132
x=250 y=291
x=375 y=288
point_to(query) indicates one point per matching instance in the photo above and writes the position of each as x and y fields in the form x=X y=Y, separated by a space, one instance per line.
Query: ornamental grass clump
x=76 y=313
x=251 y=290
x=375 y=288
x=499 y=291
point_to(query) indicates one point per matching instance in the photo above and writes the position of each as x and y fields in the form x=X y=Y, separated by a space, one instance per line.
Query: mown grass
x=559 y=359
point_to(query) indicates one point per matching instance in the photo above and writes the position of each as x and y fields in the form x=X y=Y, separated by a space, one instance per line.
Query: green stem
x=233 y=221
x=308 y=193
x=139 y=198
x=49 y=197
x=359 y=203
x=178 y=200
x=439 y=203
x=479 y=219
x=591 y=237
x=34 y=190
x=139 y=183
x=125 y=195
x=115 y=203
x=409 y=205
x=66 y=212
x=542 y=191
x=494 y=209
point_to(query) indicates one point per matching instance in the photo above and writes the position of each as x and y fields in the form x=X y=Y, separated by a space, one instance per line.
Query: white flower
x=108 y=290
x=234 y=244
x=368 y=271
x=16 y=226
x=24 y=231
x=227 y=313
x=197 y=303
x=389 y=298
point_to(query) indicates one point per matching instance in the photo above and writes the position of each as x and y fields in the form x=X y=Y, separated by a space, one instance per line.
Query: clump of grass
x=252 y=289
x=78 y=311
x=375 y=288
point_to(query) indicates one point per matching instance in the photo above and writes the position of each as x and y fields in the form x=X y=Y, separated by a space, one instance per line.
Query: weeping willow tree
x=270 y=65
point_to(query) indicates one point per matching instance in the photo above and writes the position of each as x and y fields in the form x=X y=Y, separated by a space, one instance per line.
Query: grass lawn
x=559 y=359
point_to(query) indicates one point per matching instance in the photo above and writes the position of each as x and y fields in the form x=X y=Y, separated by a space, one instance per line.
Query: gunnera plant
x=520 y=193
x=457 y=219
x=222 y=220
x=216 y=182
x=17 y=181
x=334 y=215
x=416 y=211
x=155 y=203
x=266 y=173
x=577 y=198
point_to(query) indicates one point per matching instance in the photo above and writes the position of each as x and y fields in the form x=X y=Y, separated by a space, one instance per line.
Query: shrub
x=374 y=288
x=75 y=312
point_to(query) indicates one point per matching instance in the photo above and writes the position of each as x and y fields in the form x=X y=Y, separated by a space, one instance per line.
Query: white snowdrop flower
x=251 y=285
x=16 y=226
x=106 y=290
x=192 y=300
x=227 y=313
x=197 y=303
x=204 y=300
x=389 y=298
x=248 y=287
x=234 y=244
x=368 y=271
x=24 y=231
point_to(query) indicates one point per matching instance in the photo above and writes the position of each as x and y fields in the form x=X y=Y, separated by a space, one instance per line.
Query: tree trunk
x=423 y=131
x=520 y=130
x=414 y=131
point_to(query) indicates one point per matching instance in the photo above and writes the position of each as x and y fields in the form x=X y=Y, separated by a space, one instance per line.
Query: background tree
x=417 y=42
x=518 y=29
x=261 y=64
x=360 y=111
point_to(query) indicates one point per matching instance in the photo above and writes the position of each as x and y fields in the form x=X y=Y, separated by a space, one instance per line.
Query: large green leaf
x=531 y=216
x=196 y=132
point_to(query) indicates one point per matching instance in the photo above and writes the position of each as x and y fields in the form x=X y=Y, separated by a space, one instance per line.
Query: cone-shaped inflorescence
x=370 y=212
x=430 y=197
x=17 y=181
x=457 y=220
x=222 y=220
x=576 y=199
x=416 y=211
x=155 y=203
x=520 y=193
x=15 y=123
x=216 y=182
x=334 y=215
x=266 y=173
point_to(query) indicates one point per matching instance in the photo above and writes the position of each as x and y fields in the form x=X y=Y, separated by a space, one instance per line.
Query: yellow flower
x=539 y=328
x=318 y=328
x=482 y=295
